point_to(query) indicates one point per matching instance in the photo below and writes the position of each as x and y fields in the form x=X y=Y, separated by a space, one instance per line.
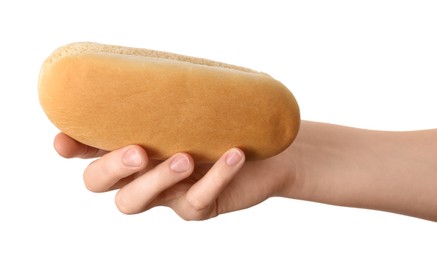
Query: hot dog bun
x=110 y=96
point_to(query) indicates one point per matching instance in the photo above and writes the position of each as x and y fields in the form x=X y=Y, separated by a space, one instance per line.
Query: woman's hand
x=332 y=164
x=193 y=191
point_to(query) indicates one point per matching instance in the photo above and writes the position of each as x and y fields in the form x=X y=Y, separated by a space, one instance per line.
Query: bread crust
x=110 y=96
x=78 y=48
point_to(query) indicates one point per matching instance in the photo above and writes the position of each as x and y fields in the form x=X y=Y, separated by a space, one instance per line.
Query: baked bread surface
x=110 y=96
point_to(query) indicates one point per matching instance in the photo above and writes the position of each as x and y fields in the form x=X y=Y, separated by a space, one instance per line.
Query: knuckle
x=123 y=205
x=89 y=183
x=109 y=171
x=190 y=213
x=195 y=204
x=88 y=152
x=90 y=186
x=192 y=216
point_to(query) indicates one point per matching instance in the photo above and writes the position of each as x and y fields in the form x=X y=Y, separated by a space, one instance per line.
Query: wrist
x=295 y=185
x=325 y=162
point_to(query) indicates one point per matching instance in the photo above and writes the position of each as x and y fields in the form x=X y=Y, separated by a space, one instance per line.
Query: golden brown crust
x=167 y=105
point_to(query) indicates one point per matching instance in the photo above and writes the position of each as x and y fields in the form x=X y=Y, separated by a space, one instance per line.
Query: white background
x=370 y=64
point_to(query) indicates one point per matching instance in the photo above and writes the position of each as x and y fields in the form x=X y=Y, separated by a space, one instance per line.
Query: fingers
x=69 y=148
x=200 y=201
x=137 y=196
x=104 y=173
x=146 y=185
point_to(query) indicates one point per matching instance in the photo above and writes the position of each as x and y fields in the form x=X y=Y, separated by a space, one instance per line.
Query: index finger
x=67 y=147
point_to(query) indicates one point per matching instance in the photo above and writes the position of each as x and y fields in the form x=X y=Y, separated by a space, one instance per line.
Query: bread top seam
x=89 y=47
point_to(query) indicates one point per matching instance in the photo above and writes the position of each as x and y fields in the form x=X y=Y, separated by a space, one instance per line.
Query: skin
x=388 y=171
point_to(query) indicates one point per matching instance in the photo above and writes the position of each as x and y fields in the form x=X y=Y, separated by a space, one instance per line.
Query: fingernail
x=233 y=157
x=132 y=158
x=180 y=164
